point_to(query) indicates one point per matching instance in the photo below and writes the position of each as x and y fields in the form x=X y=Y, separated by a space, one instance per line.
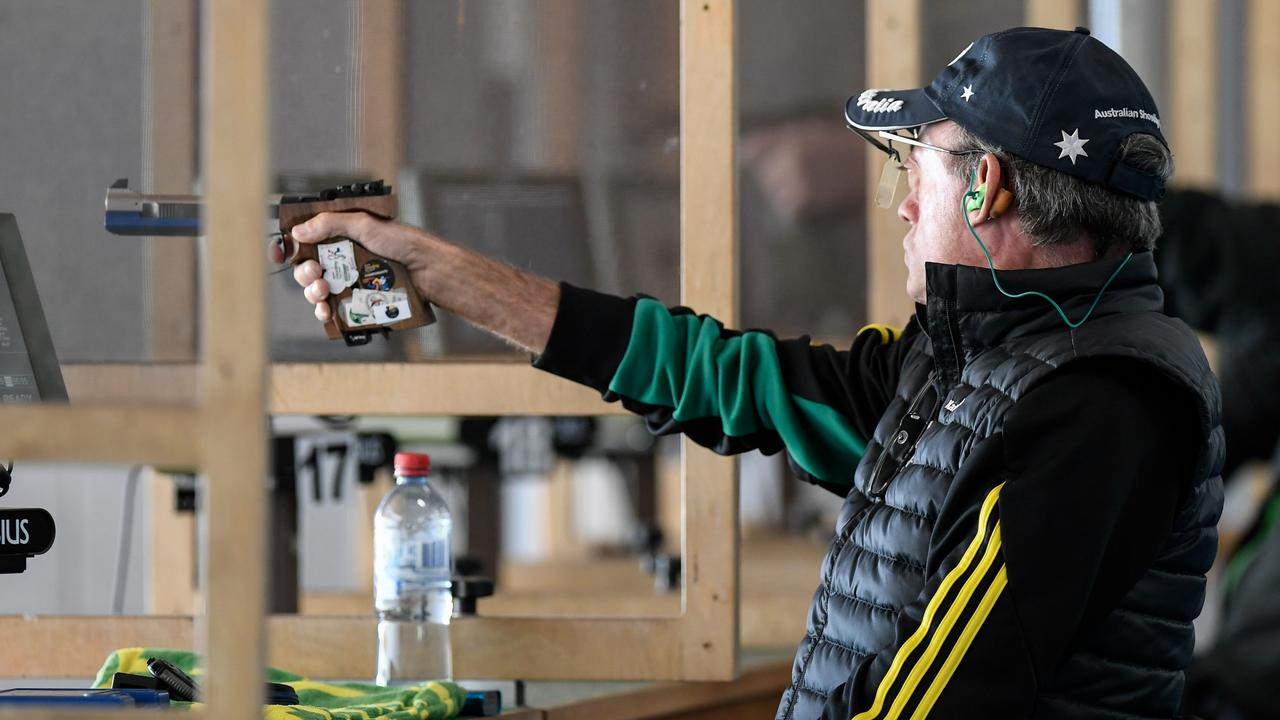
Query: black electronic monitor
x=29 y=370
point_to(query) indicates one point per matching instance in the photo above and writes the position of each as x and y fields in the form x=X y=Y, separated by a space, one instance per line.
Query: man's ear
x=996 y=200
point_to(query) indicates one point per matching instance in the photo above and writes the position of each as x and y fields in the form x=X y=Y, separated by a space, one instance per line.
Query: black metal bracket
x=364 y=337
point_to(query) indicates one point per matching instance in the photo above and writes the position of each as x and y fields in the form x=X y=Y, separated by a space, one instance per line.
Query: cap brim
x=891 y=110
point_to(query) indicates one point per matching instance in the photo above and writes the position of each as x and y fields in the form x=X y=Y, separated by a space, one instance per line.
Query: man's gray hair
x=1056 y=208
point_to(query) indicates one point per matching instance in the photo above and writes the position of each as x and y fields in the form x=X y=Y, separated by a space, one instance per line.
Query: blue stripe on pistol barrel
x=123 y=222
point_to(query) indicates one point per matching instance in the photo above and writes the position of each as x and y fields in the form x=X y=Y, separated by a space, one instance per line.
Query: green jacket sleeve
x=728 y=390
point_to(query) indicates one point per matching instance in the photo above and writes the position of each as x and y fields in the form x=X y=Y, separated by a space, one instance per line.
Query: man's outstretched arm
x=730 y=391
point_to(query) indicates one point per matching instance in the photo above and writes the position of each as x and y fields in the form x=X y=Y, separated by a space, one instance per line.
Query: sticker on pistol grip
x=393 y=312
x=353 y=318
x=386 y=307
x=377 y=274
x=338 y=260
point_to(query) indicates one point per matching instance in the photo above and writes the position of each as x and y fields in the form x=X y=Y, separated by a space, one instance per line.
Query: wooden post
x=233 y=397
x=169 y=111
x=558 y=47
x=381 y=67
x=172 y=588
x=709 y=252
x=169 y=153
x=893 y=61
x=1262 y=98
x=1060 y=14
x=1193 y=133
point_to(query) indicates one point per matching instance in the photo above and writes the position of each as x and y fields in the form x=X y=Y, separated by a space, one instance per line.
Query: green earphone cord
x=1073 y=325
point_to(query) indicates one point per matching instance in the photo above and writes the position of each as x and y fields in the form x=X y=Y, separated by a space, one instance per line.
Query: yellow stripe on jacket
x=943 y=603
x=962 y=645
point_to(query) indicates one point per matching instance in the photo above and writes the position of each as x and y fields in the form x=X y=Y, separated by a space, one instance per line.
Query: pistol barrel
x=129 y=212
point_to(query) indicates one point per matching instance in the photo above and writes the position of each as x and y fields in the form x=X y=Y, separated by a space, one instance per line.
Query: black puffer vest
x=990 y=350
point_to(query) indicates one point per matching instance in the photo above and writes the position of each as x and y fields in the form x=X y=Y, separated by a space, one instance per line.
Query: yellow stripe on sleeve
x=887 y=334
x=931 y=610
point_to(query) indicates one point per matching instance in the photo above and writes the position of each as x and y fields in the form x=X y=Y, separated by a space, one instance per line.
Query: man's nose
x=909 y=209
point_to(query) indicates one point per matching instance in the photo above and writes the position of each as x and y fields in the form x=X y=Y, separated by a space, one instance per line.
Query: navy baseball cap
x=1056 y=98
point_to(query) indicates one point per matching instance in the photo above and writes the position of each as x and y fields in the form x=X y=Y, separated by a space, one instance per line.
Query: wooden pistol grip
x=375 y=273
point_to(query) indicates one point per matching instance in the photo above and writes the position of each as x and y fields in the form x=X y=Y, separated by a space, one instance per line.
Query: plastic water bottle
x=412 y=573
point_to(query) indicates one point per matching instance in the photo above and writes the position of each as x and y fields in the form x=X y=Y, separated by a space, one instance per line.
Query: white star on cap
x=1072 y=145
x=968 y=92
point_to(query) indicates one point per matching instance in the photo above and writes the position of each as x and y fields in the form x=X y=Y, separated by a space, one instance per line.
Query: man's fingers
x=317 y=291
x=307 y=272
x=322 y=312
x=327 y=225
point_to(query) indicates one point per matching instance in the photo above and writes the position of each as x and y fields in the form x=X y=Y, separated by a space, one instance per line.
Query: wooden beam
x=1262 y=98
x=1060 y=14
x=170 y=152
x=584 y=649
x=126 y=435
x=769 y=621
x=451 y=388
x=381 y=65
x=131 y=383
x=344 y=647
x=619 y=576
x=893 y=61
x=1193 y=52
x=445 y=388
x=233 y=397
x=75 y=646
x=765 y=682
x=528 y=648
x=709 y=255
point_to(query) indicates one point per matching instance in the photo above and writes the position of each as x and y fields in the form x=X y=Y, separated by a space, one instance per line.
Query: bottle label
x=408 y=568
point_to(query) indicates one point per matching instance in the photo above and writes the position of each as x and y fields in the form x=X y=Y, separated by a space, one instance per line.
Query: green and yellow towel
x=317 y=700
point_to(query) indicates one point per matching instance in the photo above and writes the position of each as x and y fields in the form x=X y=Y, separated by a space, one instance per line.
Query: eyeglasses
x=891 y=175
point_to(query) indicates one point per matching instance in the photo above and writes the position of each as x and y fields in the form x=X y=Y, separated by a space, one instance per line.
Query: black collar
x=966 y=314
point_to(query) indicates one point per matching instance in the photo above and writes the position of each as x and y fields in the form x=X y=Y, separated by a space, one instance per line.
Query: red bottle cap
x=408 y=463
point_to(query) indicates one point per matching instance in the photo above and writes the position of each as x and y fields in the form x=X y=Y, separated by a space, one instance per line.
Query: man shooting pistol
x=1030 y=469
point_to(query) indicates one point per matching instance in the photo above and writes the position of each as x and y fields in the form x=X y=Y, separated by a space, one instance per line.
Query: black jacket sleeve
x=728 y=390
x=1087 y=477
